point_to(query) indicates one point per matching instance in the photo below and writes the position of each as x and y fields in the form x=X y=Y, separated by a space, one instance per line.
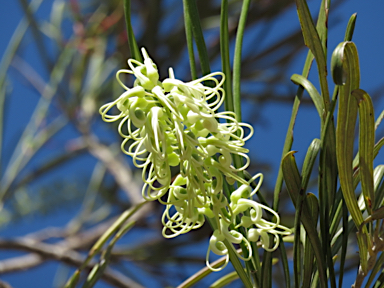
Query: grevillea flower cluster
x=176 y=124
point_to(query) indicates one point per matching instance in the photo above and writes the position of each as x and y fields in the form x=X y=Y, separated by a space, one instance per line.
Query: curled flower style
x=172 y=123
x=258 y=229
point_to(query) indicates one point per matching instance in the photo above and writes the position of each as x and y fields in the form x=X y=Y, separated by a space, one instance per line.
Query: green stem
x=297 y=260
x=224 y=50
x=284 y=262
x=96 y=248
x=237 y=59
x=189 y=36
x=131 y=36
x=237 y=265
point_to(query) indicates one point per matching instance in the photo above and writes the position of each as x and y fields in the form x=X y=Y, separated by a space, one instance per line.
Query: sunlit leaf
x=346 y=74
x=313 y=42
x=312 y=91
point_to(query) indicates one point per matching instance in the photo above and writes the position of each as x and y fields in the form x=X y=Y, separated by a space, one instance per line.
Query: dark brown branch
x=4 y=284
x=61 y=253
x=64 y=250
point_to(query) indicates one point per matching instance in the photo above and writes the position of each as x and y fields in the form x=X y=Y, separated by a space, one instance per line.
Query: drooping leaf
x=346 y=74
x=366 y=145
x=312 y=91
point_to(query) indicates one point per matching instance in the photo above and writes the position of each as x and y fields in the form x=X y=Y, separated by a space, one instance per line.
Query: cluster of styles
x=175 y=124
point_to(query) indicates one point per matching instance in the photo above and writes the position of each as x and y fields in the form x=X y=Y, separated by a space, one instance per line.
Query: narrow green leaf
x=234 y=103
x=350 y=28
x=297 y=261
x=327 y=184
x=237 y=265
x=312 y=91
x=73 y=280
x=98 y=270
x=378 y=146
x=237 y=58
x=344 y=242
x=321 y=24
x=96 y=248
x=309 y=255
x=313 y=42
x=284 y=262
x=114 y=227
x=94 y=275
x=225 y=280
x=190 y=8
x=228 y=278
x=378 y=175
x=309 y=161
x=366 y=145
x=225 y=60
x=379 y=119
x=376 y=151
x=337 y=241
x=266 y=280
x=135 y=52
x=201 y=274
x=316 y=40
x=293 y=182
x=338 y=208
x=331 y=167
x=189 y=36
x=346 y=74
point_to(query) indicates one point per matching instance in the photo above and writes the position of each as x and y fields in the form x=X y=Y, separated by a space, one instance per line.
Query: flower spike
x=172 y=123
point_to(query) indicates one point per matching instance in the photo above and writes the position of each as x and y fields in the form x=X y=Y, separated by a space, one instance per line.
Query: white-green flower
x=174 y=123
